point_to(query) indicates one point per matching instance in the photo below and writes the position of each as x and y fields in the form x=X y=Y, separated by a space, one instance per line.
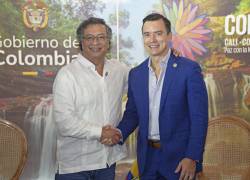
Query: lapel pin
x=175 y=65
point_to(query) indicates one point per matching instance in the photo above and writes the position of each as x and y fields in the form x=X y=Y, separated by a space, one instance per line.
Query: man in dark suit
x=167 y=101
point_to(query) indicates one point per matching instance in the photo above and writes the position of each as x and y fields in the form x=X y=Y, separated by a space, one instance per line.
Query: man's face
x=156 y=38
x=95 y=42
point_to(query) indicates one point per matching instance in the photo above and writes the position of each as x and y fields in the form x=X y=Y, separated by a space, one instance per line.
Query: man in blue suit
x=167 y=101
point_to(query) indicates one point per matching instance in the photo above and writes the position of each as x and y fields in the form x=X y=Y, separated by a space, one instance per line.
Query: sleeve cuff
x=95 y=133
x=121 y=140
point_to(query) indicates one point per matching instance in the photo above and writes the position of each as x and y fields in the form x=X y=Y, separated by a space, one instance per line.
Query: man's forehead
x=154 y=26
x=155 y=29
x=96 y=26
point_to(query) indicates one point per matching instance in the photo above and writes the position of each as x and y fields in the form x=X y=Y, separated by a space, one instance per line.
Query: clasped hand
x=110 y=135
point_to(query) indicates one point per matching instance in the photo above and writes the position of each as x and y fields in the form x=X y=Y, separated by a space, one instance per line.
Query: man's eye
x=101 y=37
x=89 y=38
x=159 y=33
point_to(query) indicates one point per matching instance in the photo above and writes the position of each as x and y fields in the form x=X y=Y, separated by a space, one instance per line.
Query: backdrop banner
x=37 y=38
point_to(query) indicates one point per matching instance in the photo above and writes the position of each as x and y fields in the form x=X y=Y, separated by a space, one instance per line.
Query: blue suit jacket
x=183 y=115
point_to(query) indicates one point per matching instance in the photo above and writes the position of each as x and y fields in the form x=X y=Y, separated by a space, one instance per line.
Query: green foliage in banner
x=243 y=7
x=11 y=19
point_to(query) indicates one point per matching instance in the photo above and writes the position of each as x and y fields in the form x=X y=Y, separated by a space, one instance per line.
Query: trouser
x=99 y=174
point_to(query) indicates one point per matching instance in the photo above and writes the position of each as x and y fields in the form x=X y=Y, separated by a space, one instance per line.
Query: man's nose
x=152 y=37
x=96 y=40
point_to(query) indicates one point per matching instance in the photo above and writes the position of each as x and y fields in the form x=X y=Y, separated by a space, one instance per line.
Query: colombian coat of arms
x=35 y=15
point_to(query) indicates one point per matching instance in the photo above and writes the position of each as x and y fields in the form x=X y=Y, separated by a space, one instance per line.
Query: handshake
x=110 y=135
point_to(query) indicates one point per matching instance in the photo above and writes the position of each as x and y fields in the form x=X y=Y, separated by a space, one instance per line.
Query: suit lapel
x=144 y=94
x=168 y=79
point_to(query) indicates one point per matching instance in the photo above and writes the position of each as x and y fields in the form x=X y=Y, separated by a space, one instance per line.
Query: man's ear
x=109 y=44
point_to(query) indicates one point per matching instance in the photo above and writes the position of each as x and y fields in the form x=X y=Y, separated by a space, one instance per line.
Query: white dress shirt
x=155 y=89
x=84 y=102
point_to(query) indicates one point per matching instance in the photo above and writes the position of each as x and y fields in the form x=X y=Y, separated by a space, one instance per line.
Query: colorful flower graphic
x=188 y=28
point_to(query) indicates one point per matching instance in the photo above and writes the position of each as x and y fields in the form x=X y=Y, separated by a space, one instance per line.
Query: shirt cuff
x=121 y=140
x=95 y=133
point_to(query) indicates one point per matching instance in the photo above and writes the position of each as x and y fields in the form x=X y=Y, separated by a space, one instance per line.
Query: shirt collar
x=85 y=62
x=163 y=63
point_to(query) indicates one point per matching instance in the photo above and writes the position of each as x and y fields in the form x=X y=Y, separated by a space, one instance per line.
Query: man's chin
x=154 y=54
x=98 y=57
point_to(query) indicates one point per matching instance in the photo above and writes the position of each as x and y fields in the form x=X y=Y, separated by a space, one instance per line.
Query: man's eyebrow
x=152 y=32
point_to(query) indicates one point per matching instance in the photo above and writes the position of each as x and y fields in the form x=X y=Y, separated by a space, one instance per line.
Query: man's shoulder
x=68 y=68
x=186 y=61
x=141 y=67
x=118 y=65
x=114 y=62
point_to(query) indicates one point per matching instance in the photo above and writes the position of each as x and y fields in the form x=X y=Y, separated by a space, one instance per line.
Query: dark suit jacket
x=183 y=116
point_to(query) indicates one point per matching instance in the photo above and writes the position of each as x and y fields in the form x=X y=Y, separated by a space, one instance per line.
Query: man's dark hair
x=92 y=21
x=155 y=17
